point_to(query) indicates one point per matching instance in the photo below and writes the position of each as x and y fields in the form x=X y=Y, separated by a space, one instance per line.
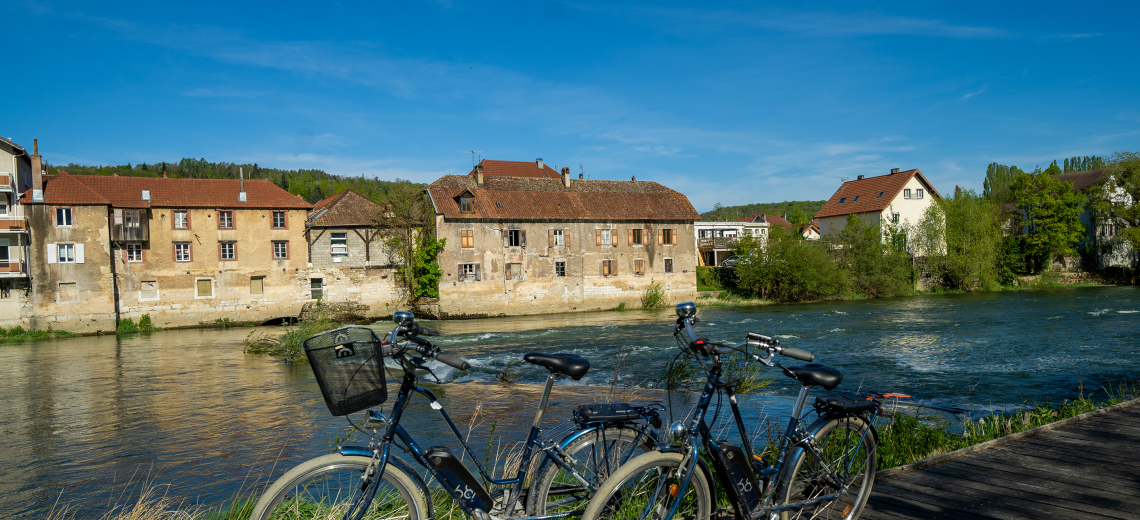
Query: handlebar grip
x=387 y=349
x=417 y=340
x=451 y=360
x=796 y=353
x=421 y=330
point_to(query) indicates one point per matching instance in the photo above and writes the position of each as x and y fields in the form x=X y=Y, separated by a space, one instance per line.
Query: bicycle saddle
x=572 y=365
x=815 y=374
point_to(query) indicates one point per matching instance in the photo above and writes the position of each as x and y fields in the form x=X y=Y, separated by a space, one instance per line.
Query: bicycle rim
x=596 y=455
x=647 y=487
x=845 y=451
x=330 y=487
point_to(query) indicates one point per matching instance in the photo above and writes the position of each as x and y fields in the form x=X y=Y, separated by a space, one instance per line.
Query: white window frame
x=273 y=219
x=134 y=253
x=470 y=272
x=181 y=219
x=284 y=248
x=222 y=251
x=341 y=248
x=918 y=193
x=559 y=237
x=62 y=257
x=607 y=237
x=178 y=255
x=60 y=212
x=225 y=219
x=906 y=193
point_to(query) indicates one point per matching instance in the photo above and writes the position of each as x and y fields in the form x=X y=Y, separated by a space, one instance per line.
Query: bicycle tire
x=326 y=484
x=847 y=446
x=598 y=454
x=637 y=486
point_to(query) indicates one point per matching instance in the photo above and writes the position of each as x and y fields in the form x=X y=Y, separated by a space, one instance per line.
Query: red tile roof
x=126 y=192
x=1082 y=180
x=10 y=143
x=515 y=169
x=529 y=198
x=345 y=209
x=868 y=191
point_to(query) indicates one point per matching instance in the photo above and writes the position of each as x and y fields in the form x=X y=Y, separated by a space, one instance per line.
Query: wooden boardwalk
x=1082 y=470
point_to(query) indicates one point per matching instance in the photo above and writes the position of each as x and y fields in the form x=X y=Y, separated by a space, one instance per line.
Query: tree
x=788 y=268
x=1113 y=200
x=1050 y=218
x=998 y=179
x=407 y=224
x=877 y=259
x=962 y=238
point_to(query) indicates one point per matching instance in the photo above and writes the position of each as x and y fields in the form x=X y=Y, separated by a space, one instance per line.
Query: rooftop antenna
x=582 y=170
x=472 y=152
x=842 y=179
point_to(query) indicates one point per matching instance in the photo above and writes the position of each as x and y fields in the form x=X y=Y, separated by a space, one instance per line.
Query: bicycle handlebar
x=410 y=330
x=687 y=319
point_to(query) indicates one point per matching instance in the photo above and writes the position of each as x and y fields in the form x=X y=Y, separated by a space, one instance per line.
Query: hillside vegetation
x=799 y=212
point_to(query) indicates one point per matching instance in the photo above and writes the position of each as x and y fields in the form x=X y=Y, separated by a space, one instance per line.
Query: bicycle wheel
x=596 y=455
x=847 y=448
x=326 y=487
x=645 y=487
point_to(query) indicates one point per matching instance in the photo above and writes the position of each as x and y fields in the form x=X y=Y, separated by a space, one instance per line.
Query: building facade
x=898 y=198
x=15 y=177
x=525 y=239
x=187 y=252
x=1102 y=235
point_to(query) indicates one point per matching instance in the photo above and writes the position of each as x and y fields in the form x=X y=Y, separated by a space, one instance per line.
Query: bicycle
x=371 y=480
x=825 y=470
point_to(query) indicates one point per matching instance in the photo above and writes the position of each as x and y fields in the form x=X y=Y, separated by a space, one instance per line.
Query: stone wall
x=320 y=250
x=536 y=287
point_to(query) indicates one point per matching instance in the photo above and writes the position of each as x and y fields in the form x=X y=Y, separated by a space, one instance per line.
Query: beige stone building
x=188 y=252
x=15 y=178
x=525 y=239
x=897 y=198
x=346 y=252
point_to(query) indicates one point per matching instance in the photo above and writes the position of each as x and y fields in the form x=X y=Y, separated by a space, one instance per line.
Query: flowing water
x=90 y=421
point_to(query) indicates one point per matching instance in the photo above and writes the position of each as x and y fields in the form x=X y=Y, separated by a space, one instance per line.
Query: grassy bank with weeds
x=18 y=334
x=906 y=439
x=290 y=346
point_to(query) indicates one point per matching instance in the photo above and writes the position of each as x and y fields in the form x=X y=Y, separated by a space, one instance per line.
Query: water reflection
x=187 y=408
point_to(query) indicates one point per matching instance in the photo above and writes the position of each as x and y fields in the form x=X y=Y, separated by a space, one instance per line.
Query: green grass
x=19 y=334
x=290 y=345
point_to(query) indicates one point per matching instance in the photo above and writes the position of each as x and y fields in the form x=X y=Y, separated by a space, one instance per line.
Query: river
x=91 y=421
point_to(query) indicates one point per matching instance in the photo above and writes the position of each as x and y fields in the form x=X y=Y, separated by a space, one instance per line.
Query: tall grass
x=290 y=345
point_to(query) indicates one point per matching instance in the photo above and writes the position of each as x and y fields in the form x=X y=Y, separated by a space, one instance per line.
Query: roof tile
x=345 y=209
x=873 y=194
x=126 y=192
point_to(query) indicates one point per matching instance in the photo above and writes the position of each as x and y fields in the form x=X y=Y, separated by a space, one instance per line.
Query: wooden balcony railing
x=12 y=267
x=6 y=182
x=716 y=242
x=122 y=233
x=10 y=223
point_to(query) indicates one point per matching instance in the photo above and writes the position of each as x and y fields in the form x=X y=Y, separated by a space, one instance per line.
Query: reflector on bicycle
x=348 y=365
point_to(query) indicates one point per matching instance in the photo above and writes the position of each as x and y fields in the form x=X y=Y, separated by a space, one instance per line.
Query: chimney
x=566 y=177
x=633 y=178
x=37 y=173
x=581 y=176
x=479 y=175
x=859 y=178
x=241 y=177
x=164 y=174
x=538 y=162
x=894 y=171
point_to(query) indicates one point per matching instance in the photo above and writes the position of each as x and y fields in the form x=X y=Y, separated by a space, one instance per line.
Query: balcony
x=6 y=184
x=125 y=233
x=13 y=269
x=11 y=224
x=711 y=243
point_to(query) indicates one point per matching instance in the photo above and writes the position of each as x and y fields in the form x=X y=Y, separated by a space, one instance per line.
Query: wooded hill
x=799 y=212
x=312 y=185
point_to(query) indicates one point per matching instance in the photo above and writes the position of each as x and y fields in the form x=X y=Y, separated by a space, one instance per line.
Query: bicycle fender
x=400 y=464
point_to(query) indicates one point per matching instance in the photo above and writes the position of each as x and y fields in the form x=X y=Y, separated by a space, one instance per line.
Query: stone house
x=347 y=254
x=15 y=177
x=188 y=252
x=897 y=198
x=523 y=238
x=1102 y=236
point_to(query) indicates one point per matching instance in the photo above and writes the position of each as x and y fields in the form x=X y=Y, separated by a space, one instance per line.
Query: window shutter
x=79 y=253
x=598 y=237
x=508 y=271
x=613 y=267
x=478 y=274
x=629 y=235
x=566 y=238
x=603 y=267
x=674 y=236
x=660 y=237
x=550 y=237
x=53 y=254
x=645 y=234
x=522 y=238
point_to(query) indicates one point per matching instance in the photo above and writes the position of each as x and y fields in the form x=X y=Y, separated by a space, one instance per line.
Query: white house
x=900 y=197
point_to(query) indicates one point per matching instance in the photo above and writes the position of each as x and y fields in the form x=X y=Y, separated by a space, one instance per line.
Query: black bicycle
x=825 y=470
x=373 y=482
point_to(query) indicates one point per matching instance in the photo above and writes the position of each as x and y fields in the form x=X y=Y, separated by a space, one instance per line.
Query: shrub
x=709 y=278
x=877 y=259
x=653 y=297
x=144 y=323
x=790 y=269
x=126 y=326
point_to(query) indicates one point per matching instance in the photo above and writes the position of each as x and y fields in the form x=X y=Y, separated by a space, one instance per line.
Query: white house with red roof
x=900 y=197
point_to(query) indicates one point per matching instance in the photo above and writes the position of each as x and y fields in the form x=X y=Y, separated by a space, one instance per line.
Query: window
x=468 y=272
x=667 y=237
x=204 y=288
x=842 y=200
x=316 y=288
x=636 y=237
x=467 y=238
x=603 y=237
x=609 y=268
x=63 y=217
x=560 y=269
x=514 y=272
x=668 y=265
x=281 y=250
x=339 y=244
x=131 y=219
x=4 y=251
x=639 y=267
x=227 y=251
x=516 y=238
x=225 y=220
x=918 y=194
x=134 y=252
x=278 y=220
x=181 y=219
x=182 y=251
x=895 y=218
x=4 y=201
x=257 y=286
x=856 y=198
x=66 y=253
x=148 y=290
x=906 y=193
x=467 y=203
x=68 y=292
x=881 y=193
x=557 y=238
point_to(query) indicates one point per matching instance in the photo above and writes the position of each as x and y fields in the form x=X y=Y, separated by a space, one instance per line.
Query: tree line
x=798 y=212
x=311 y=184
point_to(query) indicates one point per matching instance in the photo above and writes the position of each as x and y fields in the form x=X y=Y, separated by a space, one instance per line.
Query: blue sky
x=733 y=103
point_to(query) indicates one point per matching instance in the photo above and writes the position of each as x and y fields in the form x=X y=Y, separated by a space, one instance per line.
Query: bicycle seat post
x=545 y=399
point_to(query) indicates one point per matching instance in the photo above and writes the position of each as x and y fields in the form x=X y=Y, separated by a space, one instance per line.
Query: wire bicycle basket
x=349 y=367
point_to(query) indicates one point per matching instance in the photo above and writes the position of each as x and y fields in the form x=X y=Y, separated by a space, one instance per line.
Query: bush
x=144 y=323
x=791 y=269
x=654 y=296
x=961 y=239
x=713 y=278
x=877 y=259
x=126 y=326
x=290 y=345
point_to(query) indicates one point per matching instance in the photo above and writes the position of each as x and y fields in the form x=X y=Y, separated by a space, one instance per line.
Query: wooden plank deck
x=1081 y=469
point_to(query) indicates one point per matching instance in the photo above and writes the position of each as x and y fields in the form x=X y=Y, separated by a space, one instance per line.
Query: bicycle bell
x=403 y=318
x=687 y=309
x=678 y=434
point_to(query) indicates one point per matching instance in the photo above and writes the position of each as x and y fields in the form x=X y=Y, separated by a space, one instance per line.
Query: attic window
x=881 y=193
x=857 y=198
x=841 y=201
x=498 y=204
x=467 y=203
